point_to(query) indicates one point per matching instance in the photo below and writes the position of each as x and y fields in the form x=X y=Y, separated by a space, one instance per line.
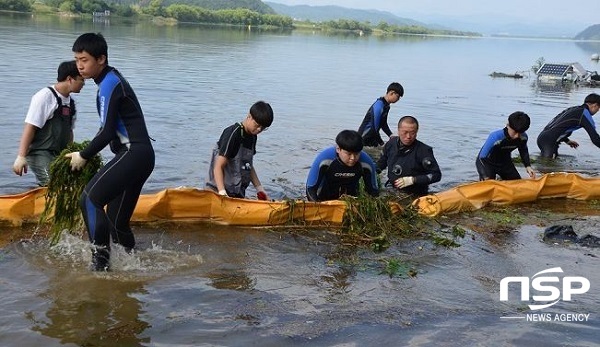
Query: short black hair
x=408 y=119
x=349 y=140
x=592 y=99
x=92 y=43
x=519 y=121
x=66 y=69
x=397 y=87
x=262 y=113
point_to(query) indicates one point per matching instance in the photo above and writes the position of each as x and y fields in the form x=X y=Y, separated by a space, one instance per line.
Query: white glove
x=77 y=162
x=404 y=182
x=20 y=165
x=223 y=192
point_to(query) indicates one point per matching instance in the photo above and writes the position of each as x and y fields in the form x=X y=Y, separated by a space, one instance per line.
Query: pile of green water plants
x=378 y=219
x=64 y=191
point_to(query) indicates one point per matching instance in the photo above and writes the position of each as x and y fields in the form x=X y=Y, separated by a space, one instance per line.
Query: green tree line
x=15 y=5
x=185 y=12
x=180 y=12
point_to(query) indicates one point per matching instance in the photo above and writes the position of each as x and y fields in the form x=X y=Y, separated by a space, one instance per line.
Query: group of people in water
x=411 y=165
x=109 y=199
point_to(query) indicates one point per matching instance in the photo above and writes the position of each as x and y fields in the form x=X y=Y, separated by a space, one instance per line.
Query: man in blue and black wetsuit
x=564 y=124
x=337 y=170
x=109 y=199
x=411 y=166
x=377 y=116
x=494 y=157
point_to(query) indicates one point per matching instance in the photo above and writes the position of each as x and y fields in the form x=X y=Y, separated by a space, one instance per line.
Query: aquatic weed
x=375 y=219
x=397 y=267
x=64 y=191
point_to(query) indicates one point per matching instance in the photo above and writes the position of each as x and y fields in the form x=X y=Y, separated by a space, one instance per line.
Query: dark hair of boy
x=349 y=140
x=519 y=121
x=66 y=69
x=592 y=99
x=262 y=113
x=397 y=87
x=92 y=43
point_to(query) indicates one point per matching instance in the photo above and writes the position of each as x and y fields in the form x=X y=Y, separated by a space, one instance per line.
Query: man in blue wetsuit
x=564 y=124
x=377 y=116
x=109 y=199
x=337 y=170
x=411 y=166
x=494 y=157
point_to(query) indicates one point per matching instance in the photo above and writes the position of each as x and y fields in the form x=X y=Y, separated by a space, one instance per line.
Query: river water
x=203 y=285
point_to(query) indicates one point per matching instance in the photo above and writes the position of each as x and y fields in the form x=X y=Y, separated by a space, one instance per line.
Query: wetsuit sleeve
x=494 y=138
x=383 y=159
x=524 y=151
x=378 y=120
x=433 y=173
x=369 y=174
x=385 y=126
x=591 y=130
x=316 y=174
x=110 y=94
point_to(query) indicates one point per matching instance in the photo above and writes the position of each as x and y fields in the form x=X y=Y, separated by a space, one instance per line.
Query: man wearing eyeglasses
x=376 y=118
x=231 y=168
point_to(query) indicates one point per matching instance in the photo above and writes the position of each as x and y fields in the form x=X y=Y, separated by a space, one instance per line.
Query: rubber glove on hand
x=530 y=172
x=223 y=192
x=404 y=182
x=261 y=194
x=20 y=165
x=77 y=162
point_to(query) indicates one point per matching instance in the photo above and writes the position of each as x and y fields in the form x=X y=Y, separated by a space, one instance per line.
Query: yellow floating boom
x=192 y=204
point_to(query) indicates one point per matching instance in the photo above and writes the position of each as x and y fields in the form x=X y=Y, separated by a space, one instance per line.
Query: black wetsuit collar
x=103 y=74
x=402 y=148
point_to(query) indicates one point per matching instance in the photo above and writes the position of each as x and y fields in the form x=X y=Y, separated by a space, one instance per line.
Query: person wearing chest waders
x=231 y=166
x=49 y=124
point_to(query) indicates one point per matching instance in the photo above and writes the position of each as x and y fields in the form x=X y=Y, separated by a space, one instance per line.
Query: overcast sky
x=586 y=12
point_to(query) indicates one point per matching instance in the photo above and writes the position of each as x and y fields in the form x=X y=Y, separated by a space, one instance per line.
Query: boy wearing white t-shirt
x=49 y=123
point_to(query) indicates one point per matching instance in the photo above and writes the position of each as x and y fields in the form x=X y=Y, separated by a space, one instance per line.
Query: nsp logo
x=550 y=284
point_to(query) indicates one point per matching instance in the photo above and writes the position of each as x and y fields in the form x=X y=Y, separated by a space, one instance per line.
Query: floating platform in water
x=506 y=75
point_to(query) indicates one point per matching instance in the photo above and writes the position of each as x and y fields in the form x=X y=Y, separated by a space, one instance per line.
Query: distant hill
x=590 y=33
x=254 y=5
x=327 y=13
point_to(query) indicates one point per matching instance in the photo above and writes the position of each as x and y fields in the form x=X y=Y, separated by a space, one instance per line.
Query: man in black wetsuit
x=411 y=166
x=109 y=199
x=494 y=158
x=376 y=118
x=565 y=123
